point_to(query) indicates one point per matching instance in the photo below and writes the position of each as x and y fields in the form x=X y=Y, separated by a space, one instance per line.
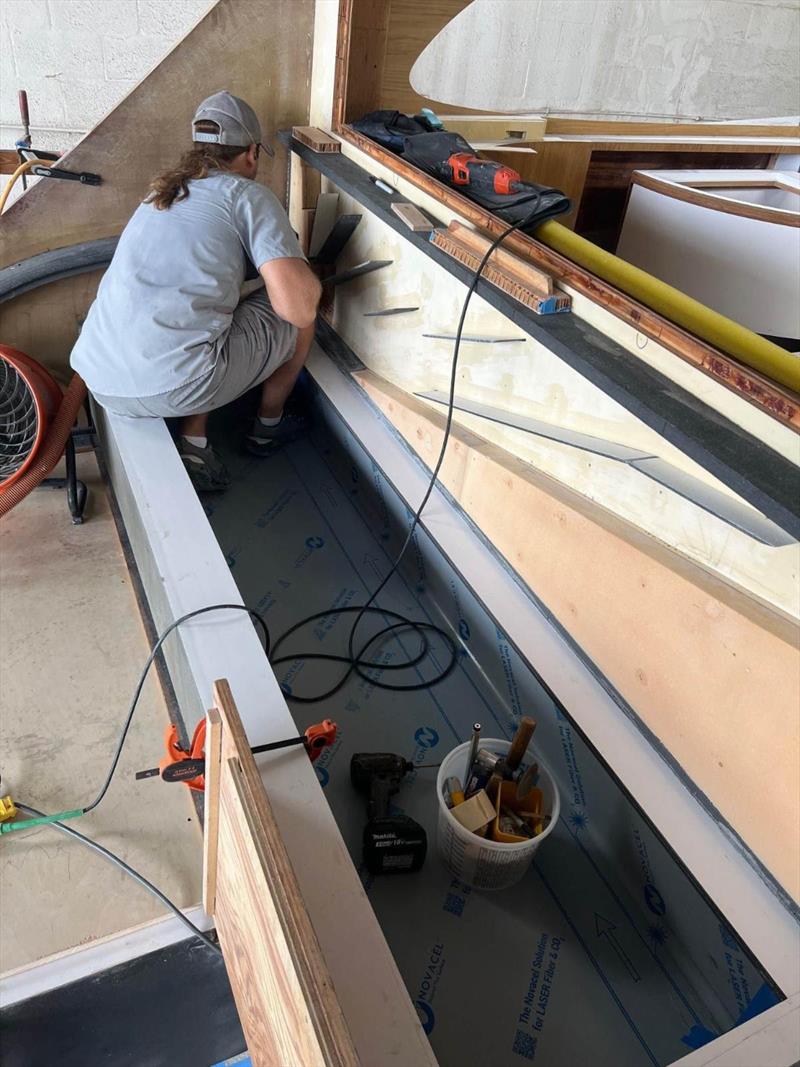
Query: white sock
x=269 y=422
x=198 y=442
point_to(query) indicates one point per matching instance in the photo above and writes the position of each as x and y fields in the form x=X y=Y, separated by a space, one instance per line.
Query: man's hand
x=293 y=290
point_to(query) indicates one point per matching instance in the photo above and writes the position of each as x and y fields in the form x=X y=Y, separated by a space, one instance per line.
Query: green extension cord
x=42 y=820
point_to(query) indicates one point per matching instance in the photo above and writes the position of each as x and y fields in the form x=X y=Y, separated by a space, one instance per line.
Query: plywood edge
x=269 y=919
x=211 y=808
x=391 y=399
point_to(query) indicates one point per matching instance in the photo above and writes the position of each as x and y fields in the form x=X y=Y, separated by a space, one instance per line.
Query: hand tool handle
x=22 y=96
x=522 y=738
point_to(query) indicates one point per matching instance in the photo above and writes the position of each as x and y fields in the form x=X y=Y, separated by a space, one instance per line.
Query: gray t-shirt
x=165 y=304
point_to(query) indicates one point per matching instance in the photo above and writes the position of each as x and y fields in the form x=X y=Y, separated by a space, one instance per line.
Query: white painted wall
x=715 y=59
x=79 y=58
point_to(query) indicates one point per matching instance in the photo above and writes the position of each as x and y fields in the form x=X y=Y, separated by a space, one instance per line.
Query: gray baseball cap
x=234 y=118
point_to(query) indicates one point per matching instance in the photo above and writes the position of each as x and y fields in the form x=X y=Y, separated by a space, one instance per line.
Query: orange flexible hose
x=52 y=447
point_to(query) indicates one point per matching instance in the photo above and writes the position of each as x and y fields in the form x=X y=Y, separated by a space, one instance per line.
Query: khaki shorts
x=257 y=344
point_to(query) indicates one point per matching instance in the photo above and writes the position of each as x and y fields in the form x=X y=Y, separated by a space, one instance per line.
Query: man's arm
x=293 y=290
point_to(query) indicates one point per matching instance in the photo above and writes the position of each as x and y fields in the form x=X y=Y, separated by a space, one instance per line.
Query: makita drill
x=393 y=844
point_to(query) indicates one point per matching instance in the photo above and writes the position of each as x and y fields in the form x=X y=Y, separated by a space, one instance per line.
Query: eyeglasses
x=266 y=148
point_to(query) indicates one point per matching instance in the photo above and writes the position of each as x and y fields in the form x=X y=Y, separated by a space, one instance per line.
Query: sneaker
x=206 y=470
x=263 y=440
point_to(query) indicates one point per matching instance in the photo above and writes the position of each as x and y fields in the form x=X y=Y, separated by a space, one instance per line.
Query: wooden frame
x=284 y=993
x=755 y=387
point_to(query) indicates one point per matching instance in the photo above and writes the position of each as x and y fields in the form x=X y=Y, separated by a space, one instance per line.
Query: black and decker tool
x=483 y=175
x=393 y=844
x=188 y=765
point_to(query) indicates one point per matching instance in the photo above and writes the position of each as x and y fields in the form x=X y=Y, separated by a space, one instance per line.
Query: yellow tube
x=725 y=334
x=17 y=174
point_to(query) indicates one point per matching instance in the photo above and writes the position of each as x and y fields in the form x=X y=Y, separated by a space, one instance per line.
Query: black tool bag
x=390 y=128
x=430 y=152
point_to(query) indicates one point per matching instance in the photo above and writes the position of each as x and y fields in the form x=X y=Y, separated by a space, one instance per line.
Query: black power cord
x=126 y=867
x=143 y=677
x=354 y=660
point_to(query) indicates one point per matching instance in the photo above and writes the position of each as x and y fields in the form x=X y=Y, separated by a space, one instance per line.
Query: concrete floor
x=72 y=646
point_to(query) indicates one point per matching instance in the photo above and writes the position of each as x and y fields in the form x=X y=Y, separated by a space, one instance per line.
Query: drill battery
x=394 y=845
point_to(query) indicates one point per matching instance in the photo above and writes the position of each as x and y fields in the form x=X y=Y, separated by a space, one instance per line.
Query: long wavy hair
x=172 y=185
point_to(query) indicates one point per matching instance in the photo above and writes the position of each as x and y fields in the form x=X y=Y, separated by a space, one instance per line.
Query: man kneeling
x=167 y=335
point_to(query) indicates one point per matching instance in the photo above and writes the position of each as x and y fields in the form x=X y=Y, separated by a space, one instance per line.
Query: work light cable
x=354 y=660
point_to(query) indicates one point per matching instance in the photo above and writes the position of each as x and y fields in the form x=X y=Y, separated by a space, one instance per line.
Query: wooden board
x=378 y=44
x=525 y=128
x=511 y=283
x=522 y=269
x=692 y=654
x=213 y=749
x=316 y=139
x=288 y=1008
x=695 y=195
x=607 y=129
x=411 y=215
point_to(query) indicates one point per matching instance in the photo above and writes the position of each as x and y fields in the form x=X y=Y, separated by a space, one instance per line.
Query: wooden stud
x=411 y=215
x=283 y=991
x=316 y=139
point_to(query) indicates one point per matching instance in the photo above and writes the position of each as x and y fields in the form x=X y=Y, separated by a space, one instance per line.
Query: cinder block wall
x=79 y=58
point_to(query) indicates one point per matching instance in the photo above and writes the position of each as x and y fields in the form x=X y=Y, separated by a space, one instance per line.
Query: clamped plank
x=283 y=990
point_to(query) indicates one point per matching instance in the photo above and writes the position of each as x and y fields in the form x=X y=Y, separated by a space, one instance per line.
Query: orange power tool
x=484 y=175
x=188 y=765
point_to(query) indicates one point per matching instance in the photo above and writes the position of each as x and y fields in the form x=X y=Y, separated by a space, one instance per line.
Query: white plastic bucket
x=475 y=860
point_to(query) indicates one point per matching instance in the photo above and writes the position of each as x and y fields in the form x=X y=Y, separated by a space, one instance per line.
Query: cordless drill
x=482 y=175
x=393 y=844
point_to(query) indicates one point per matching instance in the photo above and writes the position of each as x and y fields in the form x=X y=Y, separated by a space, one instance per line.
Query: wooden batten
x=679 y=643
x=517 y=283
x=283 y=991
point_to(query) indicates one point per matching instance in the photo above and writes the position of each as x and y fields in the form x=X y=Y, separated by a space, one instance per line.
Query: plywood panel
x=259 y=49
x=719 y=686
x=283 y=991
x=379 y=41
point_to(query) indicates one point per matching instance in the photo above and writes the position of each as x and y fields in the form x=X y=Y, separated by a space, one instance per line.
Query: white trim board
x=182 y=567
x=84 y=960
